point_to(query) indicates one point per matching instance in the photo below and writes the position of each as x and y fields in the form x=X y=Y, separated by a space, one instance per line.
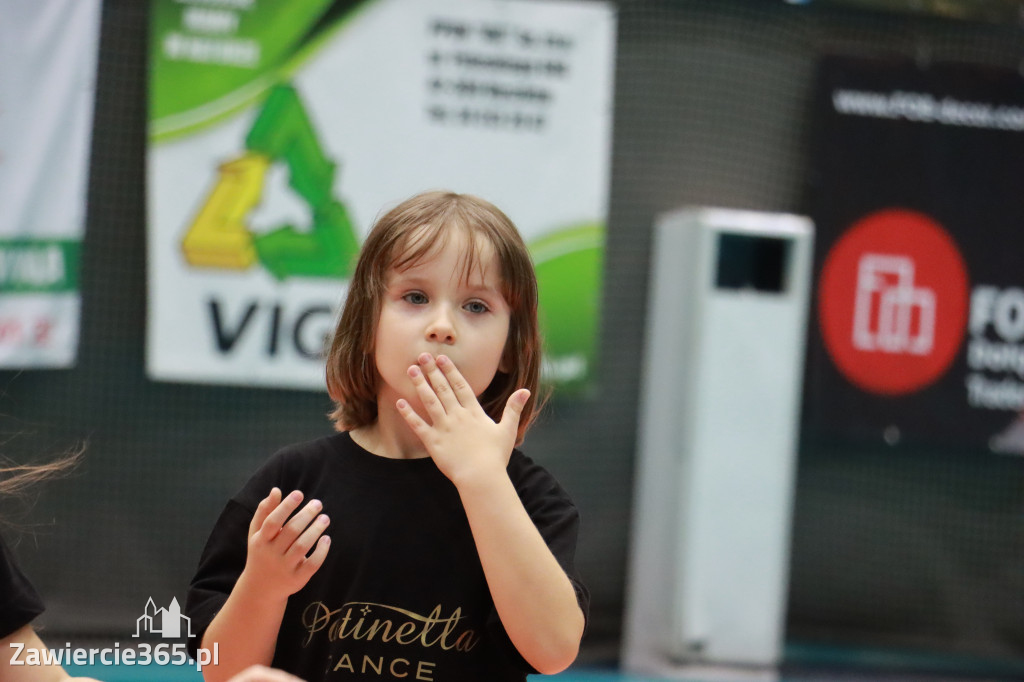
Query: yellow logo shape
x=218 y=236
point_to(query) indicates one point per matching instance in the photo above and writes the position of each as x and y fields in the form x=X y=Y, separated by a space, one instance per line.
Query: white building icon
x=891 y=315
x=164 y=622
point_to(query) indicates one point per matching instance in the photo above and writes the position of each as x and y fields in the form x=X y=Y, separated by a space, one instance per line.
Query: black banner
x=917 y=194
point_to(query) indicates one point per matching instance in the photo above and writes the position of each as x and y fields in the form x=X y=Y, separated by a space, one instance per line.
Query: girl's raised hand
x=461 y=438
x=278 y=545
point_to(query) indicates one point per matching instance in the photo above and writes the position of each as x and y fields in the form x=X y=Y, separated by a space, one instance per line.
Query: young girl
x=451 y=553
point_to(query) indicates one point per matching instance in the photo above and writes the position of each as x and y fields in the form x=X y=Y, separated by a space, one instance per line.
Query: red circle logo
x=892 y=301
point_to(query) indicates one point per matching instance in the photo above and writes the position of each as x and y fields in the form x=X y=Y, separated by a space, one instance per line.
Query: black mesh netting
x=712 y=107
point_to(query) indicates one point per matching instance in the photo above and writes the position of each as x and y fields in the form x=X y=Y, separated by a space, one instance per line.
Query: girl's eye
x=415 y=297
x=476 y=307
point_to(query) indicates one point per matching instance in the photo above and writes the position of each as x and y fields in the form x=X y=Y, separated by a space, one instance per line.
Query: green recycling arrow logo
x=219 y=236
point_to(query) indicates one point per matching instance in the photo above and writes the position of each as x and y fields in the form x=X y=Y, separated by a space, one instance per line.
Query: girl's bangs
x=425 y=241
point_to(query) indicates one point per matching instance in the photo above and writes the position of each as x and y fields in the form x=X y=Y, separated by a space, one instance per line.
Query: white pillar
x=719 y=412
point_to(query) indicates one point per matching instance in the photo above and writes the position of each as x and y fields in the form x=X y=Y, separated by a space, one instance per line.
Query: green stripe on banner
x=39 y=265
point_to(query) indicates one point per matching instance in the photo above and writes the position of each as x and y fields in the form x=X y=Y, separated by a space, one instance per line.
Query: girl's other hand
x=278 y=558
x=461 y=438
x=261 y=673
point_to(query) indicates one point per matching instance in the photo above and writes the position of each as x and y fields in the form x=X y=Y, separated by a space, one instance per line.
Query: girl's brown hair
x=408 y=233
x=18 y=480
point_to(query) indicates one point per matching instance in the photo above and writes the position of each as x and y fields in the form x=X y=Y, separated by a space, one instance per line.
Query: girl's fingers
x=299 y=522
x=275 y=521
x=431 y=402
x=267 y=505
x=260 y=673
x=415 y=422
x=438 y=381
x=514 y=409
x=309 y=536
x=460 y=387
x=315 y=560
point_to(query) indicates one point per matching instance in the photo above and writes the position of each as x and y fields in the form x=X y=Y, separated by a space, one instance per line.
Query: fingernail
x=414 y=371
x=401 y=404
x=295 y=495
x=323 y=520
x=316 y=504
x=424 y=358
x=442 y=359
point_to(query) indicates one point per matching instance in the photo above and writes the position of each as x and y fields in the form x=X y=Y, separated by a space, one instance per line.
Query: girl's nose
x=441 y=329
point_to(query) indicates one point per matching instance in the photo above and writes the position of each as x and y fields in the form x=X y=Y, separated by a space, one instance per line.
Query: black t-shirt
x=402 y=594
x=19 y=601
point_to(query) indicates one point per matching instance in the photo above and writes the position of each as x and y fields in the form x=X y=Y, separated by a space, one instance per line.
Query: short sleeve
x=558 y=521
x=223 y=558
x=19 y=601
x=556 y=517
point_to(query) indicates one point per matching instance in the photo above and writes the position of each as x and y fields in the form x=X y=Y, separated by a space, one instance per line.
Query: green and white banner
x=280 y=129
x=48 y=52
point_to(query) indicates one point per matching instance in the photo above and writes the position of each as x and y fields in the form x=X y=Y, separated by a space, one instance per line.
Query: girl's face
x=433 y=307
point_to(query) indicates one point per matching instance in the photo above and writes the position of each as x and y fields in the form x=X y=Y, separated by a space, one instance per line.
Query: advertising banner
x=919 y=321
x=279 y=130
x=48 y=51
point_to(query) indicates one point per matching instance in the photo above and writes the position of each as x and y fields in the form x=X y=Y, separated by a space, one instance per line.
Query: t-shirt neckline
x=370 y=462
